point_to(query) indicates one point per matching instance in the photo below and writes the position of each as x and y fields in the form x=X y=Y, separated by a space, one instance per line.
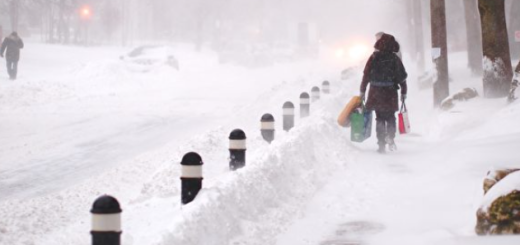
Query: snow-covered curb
x=254 y=204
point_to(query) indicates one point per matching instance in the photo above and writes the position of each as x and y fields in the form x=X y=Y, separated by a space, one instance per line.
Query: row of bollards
x=106 y=211
x=192 y=163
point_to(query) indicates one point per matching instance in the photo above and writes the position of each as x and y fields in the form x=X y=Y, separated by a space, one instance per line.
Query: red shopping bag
x=404 y=122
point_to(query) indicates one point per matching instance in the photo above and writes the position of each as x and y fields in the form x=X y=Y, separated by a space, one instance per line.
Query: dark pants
x=385 y=126
x=12 y=68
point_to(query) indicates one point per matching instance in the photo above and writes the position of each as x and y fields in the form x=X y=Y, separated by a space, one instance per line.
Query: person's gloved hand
x=403 y=97
x=362 y=95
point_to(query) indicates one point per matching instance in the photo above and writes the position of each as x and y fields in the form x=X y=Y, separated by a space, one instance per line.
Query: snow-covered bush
x=466 y=94
x=500 y=209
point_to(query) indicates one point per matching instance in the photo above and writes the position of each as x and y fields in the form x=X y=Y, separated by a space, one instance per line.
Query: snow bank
x=256 y=203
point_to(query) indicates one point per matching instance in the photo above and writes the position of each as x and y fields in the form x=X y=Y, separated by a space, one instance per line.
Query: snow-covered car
x=347 y=73
x=152 y=55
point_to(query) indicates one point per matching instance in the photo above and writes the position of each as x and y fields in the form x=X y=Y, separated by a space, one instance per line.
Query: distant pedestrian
x=386 y=74
x=11 y=46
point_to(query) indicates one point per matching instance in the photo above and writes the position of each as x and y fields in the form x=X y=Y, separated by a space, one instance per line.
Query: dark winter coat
x=517 y=70
x=11 y=46
x=385 y=73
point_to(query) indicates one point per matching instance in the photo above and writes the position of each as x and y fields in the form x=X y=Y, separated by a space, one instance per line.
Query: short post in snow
x=267 y=127
x=326 y=87
x=305 y=104
x=106 y=221
x=288 y=116
x=315 y=94
x=191 y=177
x=237 y=149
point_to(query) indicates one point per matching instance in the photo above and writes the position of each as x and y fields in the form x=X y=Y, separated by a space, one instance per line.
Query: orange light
x=85 y=12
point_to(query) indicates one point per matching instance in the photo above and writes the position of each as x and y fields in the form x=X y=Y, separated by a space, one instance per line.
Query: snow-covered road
x=76 y=112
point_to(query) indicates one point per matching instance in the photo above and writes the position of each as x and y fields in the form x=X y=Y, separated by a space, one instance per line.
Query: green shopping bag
x=361 y=124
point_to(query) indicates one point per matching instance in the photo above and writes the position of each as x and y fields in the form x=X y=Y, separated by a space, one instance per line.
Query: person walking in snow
x=385 y=73
x=11 y=46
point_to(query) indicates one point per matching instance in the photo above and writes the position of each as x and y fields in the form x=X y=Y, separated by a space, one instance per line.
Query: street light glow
x=85 y=12
x=359 y=51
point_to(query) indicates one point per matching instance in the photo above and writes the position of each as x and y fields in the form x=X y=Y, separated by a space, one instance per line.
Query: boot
x=382 y=149
x=391 y=144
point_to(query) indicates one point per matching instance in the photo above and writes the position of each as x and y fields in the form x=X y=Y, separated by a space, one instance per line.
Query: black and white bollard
x=315 y=94
x=106 y=221
x=326 y=87
x=267 y=127
x=191 y=177
x=305 y=105
x=237 y=149
x=288 y=116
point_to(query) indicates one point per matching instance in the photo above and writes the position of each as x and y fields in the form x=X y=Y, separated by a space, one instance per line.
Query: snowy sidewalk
x=425 y=193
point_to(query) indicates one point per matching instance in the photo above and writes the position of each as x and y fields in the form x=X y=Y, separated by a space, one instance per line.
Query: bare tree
x=441 y=87
x=410 y=25
x=514 y=26
x=419 y=35
x=14 y=14
x=498 y=71
x=474 y=36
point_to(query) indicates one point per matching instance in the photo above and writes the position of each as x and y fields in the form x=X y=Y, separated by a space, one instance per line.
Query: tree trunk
x=61 y=22
x=410 y=25
x=441 y=87
x=419 y=35
x=514 y=26
x=498 y=71
x=51 y=24
x=124 y=34
x=474 y=36
x=14 y=14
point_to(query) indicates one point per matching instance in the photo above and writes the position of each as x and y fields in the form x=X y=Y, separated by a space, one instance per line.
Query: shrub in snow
x=466 y=94
x=347 y=73
x=500 y=210
x=494 y=176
